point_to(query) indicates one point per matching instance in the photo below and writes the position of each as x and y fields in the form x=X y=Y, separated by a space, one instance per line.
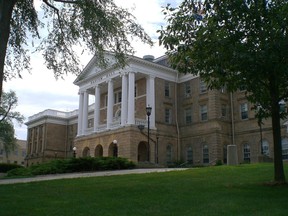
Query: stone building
x=188 y=122
x=16 y=156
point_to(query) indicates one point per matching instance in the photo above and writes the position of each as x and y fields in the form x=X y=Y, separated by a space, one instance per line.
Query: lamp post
x=148 y=112
x=74 y=151
x=115 y=148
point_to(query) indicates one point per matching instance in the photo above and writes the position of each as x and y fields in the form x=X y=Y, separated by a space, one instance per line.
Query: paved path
x=88 y=174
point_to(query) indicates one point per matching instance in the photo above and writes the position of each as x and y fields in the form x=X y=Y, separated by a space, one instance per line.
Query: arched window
x=86 y=152
x=246 y=152
x=99 y=151
x=205 y=154
x=285 y=148
x=190 y=155
x=265 y=147
x=169 y=154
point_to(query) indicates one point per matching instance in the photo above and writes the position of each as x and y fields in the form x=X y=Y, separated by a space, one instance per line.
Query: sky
x=39 y=90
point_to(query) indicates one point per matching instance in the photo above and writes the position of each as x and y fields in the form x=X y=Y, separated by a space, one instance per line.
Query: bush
x=74 y=165
x=23 y=172
x=219 y=163
x=6 y=167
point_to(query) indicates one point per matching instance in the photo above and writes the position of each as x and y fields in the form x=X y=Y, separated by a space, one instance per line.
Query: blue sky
x=39 y=90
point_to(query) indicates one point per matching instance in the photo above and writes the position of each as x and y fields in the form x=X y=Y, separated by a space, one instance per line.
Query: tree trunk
x=6 y=8
x=279 y=176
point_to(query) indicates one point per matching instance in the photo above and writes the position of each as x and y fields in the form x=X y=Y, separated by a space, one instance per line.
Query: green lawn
x=221 y=190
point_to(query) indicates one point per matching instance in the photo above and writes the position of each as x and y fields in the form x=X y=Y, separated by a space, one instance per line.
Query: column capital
x=109 y=80
x=125 y=73
x=151 y=76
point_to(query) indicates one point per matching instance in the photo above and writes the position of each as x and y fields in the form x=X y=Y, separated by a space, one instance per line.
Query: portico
x=107 y=102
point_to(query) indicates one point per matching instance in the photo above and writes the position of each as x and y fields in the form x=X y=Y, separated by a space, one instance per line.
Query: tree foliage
x=236 y=44
x=7 y=116
x=60 y=26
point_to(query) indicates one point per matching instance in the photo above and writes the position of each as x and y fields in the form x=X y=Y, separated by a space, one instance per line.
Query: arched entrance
x=98 y=151
x=113 y=150
x=86 y=152
x=143 y=154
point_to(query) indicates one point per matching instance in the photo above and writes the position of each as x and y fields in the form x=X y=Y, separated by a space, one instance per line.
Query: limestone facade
x=188 y=122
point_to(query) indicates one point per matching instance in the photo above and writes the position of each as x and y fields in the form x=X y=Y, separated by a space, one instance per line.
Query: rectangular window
x=203 y=87
x=167 y=89
x=244 y=110
x=204 y=113
x=205 y=154
x=117 y=97
x=188 y=116
x=223 y=110
x=187 y=89
x=168 y=116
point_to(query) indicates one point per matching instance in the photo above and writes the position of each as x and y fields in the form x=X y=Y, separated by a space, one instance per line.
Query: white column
x=97 y=107
x=150 y=98
x=124 y=100
x=85 y=112
x=131 y=98
x=110 y=104
x=80 y=114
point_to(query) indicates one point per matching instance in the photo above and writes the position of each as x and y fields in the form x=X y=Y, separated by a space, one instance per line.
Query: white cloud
x=39 y=90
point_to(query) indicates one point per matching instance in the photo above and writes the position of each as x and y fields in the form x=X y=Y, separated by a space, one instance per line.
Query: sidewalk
x=85 y=175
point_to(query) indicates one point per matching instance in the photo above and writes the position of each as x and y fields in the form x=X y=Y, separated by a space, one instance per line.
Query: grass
x=221 y=190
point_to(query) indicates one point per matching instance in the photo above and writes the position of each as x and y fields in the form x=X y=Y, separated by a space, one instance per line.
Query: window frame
x=244 y=115
x=204 y=112
x=188 y=115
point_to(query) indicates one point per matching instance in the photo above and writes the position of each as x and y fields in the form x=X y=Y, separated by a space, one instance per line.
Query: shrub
x=74 y=165
x=219 y=163
x=23 y=172
x=6 y=167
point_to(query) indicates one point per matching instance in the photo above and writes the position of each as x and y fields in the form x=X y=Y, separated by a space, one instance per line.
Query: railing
x=115 y=125
x=53 y=113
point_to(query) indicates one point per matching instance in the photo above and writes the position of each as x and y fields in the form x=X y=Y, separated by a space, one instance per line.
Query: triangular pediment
x=93 y=67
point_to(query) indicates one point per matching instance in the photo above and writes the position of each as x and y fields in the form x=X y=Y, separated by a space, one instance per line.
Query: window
x=188 y=116
x=203 y=87
x=90 y=123
x=190 y=155
x=167 y=89
x=223 y=110
x=244 y=111
x=285 y=148
x=117 y=97
x=187 y=89
x=204 y=112
x=168 y=116
x=169 y=154
x=205 y=154
x=246 y=153
x=265 y=147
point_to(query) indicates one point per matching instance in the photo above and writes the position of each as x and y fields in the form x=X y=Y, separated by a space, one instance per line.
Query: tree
x=94 y=25
x=235 y=43
x=7 y=115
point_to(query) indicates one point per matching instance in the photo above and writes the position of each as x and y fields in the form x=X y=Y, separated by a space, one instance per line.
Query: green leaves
x=236 y=43
x=94 y=26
